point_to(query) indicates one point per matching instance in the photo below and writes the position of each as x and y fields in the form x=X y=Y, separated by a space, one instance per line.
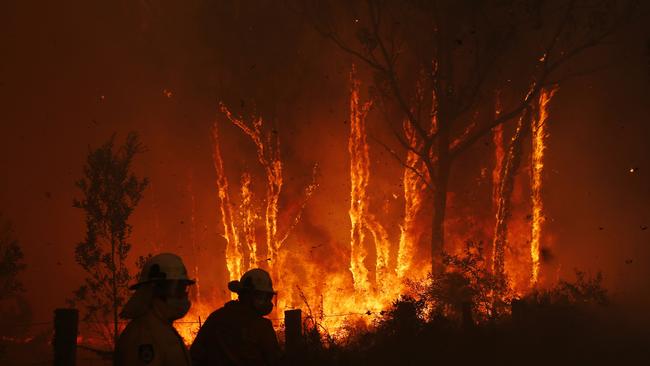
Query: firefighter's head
x=163 y=284
x=255 y=288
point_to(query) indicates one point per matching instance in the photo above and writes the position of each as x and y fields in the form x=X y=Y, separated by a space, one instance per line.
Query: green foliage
x=11 y=261
x=110 y=193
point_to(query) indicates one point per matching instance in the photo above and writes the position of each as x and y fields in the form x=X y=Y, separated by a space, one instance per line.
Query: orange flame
x=370 y=286
x=414 y=181
x=233 y=253
x=359 y=175
x=248 y=218
x=268 y=155
x=195 y=247
x=414 y=188
x=539 y=145
x=505 y=187
x=499 y=153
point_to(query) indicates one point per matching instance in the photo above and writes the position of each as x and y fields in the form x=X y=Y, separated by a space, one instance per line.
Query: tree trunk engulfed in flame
x=499 y=153
x=233 y=253
x=359 y=176
x=248 y=218
x=509 y=167
x=499 y=157
x=385 y=284
x=268 y=155
x=415 y=184
x=414 y=189
x=506 y=164
x=195 y=247
x=539 y=145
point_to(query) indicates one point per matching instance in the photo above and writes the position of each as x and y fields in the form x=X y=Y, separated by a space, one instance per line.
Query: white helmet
x=164 y=266
x=255 y=279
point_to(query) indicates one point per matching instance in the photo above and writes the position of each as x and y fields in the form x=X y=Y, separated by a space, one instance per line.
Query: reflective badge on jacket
x=145 y=353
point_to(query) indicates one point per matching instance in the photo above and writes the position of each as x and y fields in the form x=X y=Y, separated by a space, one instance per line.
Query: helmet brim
x=139 y=284
x=237 y=287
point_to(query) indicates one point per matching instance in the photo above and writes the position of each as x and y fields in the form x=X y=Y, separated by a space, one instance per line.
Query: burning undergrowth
x=468 y=315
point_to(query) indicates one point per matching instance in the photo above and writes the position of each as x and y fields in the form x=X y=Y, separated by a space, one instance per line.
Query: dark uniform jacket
x=235 y=335
x=148 y=340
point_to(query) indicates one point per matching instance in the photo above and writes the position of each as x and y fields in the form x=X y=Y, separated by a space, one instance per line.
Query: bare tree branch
x=309 y=191
x=334 y=38
x=578 y=74
x=396 y=156
x=546 y=68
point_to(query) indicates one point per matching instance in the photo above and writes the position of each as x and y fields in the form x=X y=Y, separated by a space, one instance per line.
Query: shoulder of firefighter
x=233 y=336
x=148 y=341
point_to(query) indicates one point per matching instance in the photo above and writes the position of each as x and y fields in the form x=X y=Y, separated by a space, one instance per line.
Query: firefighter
x=238 y=333
x=160 y=297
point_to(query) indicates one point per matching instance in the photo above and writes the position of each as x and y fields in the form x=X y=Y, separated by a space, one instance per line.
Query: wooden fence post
x=66 y=322
x=293 y=330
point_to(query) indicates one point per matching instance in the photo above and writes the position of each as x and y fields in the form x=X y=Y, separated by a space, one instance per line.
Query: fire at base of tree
x=455 y=318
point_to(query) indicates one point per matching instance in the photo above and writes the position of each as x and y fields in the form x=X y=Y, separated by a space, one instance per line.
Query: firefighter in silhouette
x=238 y=333
x=160 y=297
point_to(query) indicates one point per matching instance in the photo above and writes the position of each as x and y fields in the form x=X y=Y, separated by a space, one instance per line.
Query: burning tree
x=360 y=216
x=242 y=251
x=111 y=191
x=436 y=64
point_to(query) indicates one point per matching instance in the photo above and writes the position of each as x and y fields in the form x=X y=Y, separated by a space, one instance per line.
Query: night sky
x=74 y=73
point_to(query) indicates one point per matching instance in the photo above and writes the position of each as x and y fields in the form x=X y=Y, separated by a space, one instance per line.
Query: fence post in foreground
x=66 y=322
x=292 y=330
